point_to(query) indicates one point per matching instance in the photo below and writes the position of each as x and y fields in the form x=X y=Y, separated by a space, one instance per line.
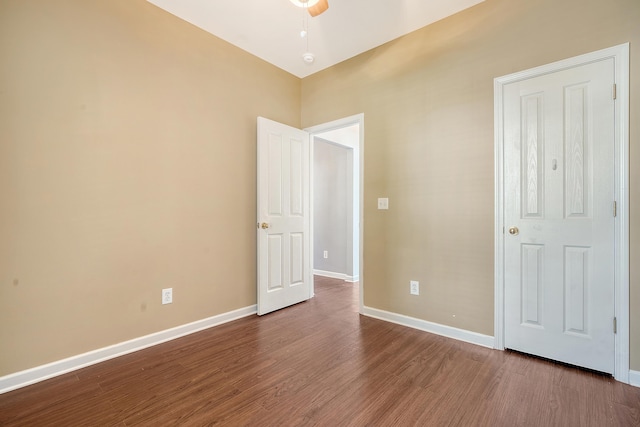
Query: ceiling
x=270 y=29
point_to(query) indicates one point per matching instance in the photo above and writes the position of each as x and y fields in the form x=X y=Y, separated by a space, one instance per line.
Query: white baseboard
x=50 y=370
x=434 y=328
x=333 y=275
x=451 y=332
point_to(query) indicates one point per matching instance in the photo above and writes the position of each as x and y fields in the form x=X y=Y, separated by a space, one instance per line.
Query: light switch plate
x=383 y=203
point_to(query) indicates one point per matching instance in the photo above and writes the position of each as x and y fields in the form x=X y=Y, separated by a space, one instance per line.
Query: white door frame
x=620 y=55
x=325 y=127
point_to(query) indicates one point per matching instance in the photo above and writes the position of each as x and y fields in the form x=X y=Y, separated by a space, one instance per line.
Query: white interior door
x=559 y=215
x=284 y=251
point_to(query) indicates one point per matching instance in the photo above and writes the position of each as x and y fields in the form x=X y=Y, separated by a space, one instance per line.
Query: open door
x=284 y=227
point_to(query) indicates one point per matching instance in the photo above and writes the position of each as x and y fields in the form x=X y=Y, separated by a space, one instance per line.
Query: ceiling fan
x=315 y=7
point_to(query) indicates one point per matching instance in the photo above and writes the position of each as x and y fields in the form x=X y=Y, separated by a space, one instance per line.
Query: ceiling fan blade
x=318 y=8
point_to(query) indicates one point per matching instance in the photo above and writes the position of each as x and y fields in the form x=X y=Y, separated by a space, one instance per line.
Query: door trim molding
x=620 y=55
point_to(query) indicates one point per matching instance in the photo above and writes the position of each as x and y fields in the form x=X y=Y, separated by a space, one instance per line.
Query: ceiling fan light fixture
x=304 y=3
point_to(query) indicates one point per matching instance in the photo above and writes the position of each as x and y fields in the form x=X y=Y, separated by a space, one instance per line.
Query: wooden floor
x=319 y=363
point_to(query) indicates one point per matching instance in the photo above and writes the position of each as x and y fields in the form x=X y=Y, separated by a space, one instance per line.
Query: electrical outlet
x=414 y=287
x=383 y=203
x=167 y=296
x=325 y=254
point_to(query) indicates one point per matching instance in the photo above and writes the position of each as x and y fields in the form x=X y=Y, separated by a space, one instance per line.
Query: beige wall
x=428 y=105
x=127 y=164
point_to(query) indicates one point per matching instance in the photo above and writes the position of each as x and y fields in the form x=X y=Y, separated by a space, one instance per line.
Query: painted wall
x=332 y=202
x=127 y=165
x=429 y=144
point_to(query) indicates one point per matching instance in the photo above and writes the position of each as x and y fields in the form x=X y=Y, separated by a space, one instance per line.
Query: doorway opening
x=336 y=200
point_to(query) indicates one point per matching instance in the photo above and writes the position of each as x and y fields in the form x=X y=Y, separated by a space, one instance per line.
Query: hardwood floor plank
x=320 y=363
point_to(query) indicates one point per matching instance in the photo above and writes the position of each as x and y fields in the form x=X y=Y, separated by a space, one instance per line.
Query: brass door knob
x=514 y=231
x=264 y=226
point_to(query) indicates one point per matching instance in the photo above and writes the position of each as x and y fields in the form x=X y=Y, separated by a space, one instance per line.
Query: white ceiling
x=270 y=29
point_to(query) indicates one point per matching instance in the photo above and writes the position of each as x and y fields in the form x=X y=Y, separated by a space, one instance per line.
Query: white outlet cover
x=383 y=203
x=414 y=287
x=167 y=296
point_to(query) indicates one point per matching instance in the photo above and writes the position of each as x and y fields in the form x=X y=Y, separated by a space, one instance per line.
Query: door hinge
x=615 y=325
x=615 y=91
x=615 y=208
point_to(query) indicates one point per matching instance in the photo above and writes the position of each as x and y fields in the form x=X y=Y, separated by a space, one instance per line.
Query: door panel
x=275 y=257
x=284 y=256
x=576 y=310
x=532 y=285
x=559 y=193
